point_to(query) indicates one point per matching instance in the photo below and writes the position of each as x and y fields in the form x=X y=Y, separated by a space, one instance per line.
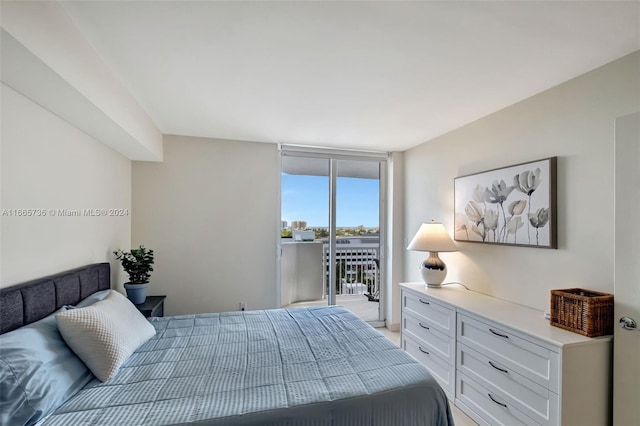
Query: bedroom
x=208 y=227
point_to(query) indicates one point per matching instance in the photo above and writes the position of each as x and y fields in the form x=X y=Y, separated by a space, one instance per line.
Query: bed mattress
x=305 y=366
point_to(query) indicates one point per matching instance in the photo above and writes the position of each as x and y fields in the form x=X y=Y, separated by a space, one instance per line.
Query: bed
x=303 y=366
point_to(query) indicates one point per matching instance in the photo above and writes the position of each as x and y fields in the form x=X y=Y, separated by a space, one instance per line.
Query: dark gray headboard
x=25 y=303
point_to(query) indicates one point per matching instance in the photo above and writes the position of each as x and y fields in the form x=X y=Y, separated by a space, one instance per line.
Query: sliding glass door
x=331 y=229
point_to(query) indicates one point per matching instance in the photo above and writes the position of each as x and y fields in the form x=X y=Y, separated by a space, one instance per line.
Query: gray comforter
x=306 y=366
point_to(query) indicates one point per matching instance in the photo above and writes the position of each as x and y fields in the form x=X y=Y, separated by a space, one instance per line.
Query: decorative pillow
x=38 y=372
x=105 y=334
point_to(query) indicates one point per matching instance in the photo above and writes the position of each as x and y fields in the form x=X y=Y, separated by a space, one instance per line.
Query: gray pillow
x=91 y=299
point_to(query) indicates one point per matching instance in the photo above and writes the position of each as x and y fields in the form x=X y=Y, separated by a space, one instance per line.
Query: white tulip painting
x=513 y=205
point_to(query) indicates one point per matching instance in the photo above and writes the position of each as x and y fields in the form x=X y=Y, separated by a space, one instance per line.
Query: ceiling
x=361 y=75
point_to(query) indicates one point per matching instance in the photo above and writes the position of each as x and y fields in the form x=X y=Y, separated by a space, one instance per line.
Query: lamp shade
x=432 y=236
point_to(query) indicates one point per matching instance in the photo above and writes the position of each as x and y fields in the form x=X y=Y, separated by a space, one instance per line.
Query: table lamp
x=432 y=237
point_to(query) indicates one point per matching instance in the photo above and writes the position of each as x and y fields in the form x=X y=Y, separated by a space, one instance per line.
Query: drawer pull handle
x=498 y=368
x=499 y=403
x=422 y=350
x=424 y=301
x=498 y=334
x=423 y=326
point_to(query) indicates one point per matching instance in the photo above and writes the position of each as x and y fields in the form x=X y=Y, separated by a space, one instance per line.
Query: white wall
x=574 y=121
x=49 y=164
x=210 y=213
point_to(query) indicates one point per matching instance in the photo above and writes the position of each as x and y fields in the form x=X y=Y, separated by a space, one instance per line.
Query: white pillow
x=105 y=334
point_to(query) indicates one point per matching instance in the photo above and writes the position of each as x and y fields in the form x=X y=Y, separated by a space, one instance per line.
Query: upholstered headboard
x=25 y=303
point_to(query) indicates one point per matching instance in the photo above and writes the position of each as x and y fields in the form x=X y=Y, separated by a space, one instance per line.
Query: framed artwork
x=513 y=205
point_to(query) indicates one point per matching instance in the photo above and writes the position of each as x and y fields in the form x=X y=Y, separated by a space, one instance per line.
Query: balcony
x=305 y=275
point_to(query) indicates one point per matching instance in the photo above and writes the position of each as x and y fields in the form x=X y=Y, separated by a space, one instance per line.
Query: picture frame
x=514 y=205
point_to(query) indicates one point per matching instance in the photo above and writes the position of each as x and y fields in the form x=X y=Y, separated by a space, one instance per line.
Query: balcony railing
x=357 y=269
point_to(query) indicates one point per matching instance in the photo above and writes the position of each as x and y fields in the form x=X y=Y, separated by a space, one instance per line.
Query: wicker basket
x=586 y=312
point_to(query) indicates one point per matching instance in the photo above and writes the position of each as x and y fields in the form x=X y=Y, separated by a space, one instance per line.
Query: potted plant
x=137 y=263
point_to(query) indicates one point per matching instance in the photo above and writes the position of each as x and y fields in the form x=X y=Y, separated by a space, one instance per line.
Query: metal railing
x=357 y=269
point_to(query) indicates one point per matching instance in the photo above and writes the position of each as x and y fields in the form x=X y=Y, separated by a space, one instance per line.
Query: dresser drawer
x=492 y=409
x=507 y=348
x=436 y=315
x=434 y=340
x=440 y=369
x=515 y=390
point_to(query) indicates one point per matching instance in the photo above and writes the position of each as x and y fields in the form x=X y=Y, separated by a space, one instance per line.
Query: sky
x=307 y=198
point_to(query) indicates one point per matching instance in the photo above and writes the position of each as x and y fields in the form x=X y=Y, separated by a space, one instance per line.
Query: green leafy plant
x=137 y=263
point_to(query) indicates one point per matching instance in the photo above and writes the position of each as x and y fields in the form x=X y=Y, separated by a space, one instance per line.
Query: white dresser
x=503 y=363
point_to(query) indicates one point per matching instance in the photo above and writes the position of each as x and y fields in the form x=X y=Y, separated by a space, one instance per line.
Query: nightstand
x=152 y=307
